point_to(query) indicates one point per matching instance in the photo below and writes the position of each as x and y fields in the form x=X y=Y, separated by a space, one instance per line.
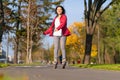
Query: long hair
x=63 y=10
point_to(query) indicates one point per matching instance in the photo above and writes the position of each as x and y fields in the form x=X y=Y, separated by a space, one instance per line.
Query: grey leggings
x=59 y=41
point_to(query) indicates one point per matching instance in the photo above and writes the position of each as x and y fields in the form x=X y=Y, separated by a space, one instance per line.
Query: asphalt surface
x=47 y=72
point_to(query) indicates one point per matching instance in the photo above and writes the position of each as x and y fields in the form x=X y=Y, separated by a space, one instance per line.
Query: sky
x=74 y=10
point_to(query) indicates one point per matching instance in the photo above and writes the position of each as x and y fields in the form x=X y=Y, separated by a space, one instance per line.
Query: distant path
x=70 y=73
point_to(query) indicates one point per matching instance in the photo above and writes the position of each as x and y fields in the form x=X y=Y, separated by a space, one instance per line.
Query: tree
x=109 y=33
x=75 y=42
x=93 y=11
x=17 y=24
x=18 y=20
x=1 y=20
x=37 y=15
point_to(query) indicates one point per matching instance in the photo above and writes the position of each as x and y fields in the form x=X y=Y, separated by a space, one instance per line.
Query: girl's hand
x=56 y=29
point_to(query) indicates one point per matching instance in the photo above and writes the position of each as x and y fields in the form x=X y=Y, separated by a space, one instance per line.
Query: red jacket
x=63 y=26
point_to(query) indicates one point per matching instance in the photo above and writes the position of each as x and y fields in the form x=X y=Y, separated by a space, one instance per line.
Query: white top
x=57 y=23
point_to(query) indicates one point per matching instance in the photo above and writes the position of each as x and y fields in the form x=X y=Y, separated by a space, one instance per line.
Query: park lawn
x=2 y=65
x=115 y=67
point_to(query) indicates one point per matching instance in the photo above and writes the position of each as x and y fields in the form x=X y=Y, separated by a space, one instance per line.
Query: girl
x=59 y=31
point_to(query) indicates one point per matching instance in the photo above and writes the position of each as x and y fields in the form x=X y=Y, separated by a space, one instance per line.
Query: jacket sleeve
x=49 y=29
x=63 y=22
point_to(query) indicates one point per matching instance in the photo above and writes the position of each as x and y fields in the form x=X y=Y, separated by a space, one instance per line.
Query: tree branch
x=98 y=7
x=107 y=7
x=89 y=11
x=85 y=6
x=85 y=11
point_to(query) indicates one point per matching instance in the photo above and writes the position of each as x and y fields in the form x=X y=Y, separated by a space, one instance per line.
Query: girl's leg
x=63 y=42
x=56 y=47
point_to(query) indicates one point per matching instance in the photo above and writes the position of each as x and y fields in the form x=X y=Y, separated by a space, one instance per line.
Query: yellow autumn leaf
x=94 y=51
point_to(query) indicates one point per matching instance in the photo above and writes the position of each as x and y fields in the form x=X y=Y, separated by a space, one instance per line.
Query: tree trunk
x=28 y=33
x=16 y=54
x=29 y=57
x=29 y=36
x=98 y=48
x=17 y=37
x=1 y=20
x=30 y=52
x=103 y=56
x=88 y=46
x=113 y=61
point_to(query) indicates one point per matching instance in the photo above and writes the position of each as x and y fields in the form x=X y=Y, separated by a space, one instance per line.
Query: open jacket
x=63 y=26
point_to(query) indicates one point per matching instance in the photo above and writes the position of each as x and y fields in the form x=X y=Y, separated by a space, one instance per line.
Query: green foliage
x=2 y=65
x=21 y=32
x=110 y=26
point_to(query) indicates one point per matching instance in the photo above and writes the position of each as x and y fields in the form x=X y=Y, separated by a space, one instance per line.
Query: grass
x=115 y=67
x=2 y=65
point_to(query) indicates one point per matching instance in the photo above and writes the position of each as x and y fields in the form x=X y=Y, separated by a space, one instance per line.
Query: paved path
x=70 y=73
